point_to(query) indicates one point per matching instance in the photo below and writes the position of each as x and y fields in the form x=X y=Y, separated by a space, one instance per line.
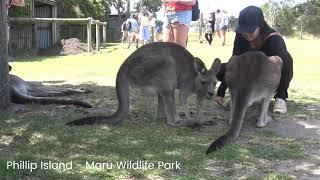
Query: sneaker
x=280 y=106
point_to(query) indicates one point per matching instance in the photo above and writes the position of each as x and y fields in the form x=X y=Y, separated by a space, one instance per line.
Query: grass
x=38 y=134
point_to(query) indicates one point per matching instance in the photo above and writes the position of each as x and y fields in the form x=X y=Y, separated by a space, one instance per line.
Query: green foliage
x=16 y=11
x=308 y=16
x=285 y=21
x=288 y=18
x=152 y=5
x=270 y=9
x=279 y=14
x=311 y=7
x=233 y=22
x=98 y=9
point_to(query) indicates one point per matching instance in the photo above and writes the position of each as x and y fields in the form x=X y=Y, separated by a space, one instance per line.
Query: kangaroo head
x=206 y=80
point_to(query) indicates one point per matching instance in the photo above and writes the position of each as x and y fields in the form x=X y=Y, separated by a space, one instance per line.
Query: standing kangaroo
x=250 y=77
x=160 y=68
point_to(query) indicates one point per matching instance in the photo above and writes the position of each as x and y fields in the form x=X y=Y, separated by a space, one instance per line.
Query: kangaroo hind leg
x=264 y=119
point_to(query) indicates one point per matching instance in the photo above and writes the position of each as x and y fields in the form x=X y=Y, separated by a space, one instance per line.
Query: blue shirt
x=134 y=25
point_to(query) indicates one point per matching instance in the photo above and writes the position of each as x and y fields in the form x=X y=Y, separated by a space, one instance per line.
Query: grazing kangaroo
x=251 y=77
x=160 y=68
x=23 y=92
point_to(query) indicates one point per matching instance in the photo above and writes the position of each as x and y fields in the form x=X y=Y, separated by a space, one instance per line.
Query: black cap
x=250 y=18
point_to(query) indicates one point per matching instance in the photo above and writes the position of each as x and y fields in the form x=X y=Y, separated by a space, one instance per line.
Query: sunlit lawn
x=39 y=134
x=102 y=66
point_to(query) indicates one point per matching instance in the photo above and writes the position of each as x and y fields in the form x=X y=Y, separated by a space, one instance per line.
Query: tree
x=120 y=6
x=285 y=21
x=152 y=5
x=128 y=8
x=4 y=81
x=97 y=9
x=271 y=10
x=233 y=23
x=308 y=16
x=279 y=15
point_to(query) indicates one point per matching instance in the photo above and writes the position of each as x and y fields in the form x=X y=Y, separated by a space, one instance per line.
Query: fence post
x=104 y=34
x=97 y=36
x=89 y=39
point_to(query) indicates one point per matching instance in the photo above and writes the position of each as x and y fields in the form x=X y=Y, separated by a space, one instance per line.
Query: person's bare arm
x=186 y=2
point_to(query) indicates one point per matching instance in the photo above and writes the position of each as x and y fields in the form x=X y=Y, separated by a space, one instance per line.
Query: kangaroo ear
x=215 y=67
x=199 y=66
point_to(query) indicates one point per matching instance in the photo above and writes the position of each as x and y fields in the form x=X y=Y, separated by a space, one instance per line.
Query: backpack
x=195 y=11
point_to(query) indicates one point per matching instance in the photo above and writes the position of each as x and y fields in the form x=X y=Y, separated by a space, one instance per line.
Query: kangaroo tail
x=50 y=92
x=18 y=97
x=239 y=107
x=122 y=88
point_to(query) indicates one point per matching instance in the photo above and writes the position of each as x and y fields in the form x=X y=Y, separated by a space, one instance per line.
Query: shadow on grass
x=37 y=134
x=55 y=54
x=34 y=58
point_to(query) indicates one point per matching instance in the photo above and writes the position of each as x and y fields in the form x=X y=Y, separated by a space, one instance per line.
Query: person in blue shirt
x=253 y=33
x=159 y=30
x=133 y=31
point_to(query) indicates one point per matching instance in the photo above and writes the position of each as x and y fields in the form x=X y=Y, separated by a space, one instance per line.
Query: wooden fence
x=88 y=21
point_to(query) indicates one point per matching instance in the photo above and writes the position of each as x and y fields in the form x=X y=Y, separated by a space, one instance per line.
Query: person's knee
x=182 y=33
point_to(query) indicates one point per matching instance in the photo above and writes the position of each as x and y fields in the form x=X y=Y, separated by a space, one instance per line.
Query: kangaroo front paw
x=172 y=124
x=264 y=122
x=261 y=124
x=268 y=119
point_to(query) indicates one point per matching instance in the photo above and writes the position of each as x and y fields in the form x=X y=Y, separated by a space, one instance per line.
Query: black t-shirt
x=273 y=46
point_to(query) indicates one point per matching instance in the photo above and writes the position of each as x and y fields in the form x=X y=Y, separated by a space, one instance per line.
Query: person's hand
x=220 y=100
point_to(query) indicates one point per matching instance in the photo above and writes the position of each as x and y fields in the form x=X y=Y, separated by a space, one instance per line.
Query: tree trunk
x=128 y=8
x=4 y=82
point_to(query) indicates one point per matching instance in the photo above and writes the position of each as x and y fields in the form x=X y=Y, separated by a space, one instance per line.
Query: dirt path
x=308 y=130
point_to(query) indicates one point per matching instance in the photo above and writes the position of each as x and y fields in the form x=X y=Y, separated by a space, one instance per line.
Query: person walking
x=144 y=20
x=208 y=31
x=125 y=27
x=225 y=26
x=134 y=31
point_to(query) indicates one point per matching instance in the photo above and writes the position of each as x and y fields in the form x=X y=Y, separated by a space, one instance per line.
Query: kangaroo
x=158 y=69
x=251 y=77
x=23 y=92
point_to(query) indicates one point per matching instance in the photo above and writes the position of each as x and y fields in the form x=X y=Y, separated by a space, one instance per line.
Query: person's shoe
x=280 y=106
